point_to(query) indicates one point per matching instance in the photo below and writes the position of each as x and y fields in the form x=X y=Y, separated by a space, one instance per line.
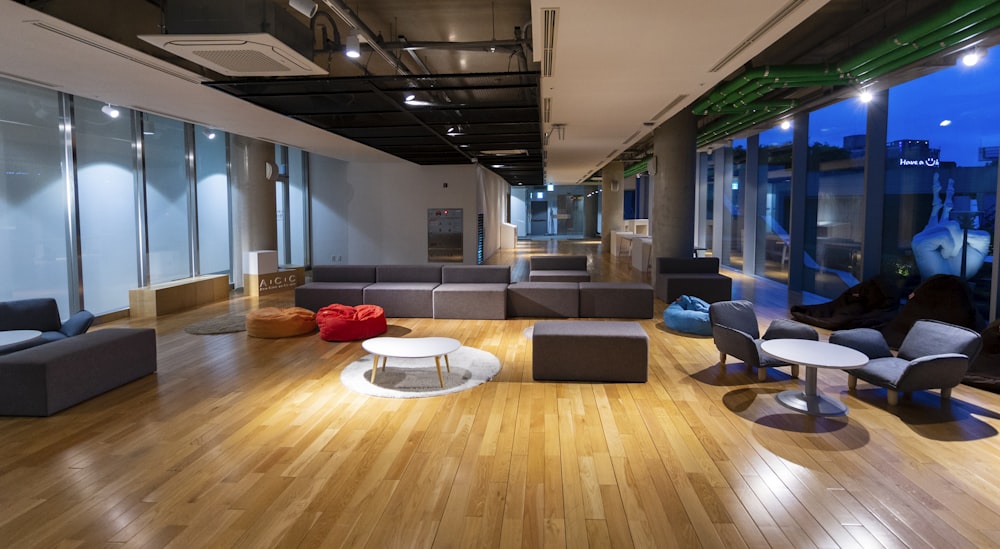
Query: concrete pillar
x=254 y=209
x=612 y=202
x=672 y=228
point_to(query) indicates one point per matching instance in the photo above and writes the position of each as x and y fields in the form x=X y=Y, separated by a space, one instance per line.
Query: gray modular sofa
x=330 y=284
x=558 y=268
x=470 y=292
x=694 y=276
x=45 y=379
x=40 y=314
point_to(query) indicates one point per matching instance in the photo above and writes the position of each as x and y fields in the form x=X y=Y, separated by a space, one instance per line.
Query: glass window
x=33 y=214
x=835 y=198
x=167 y=201
x=774 y=173
x=105 y=171
x=212 y=178
x=298 y=206
x=733 y=204
x=941 y=176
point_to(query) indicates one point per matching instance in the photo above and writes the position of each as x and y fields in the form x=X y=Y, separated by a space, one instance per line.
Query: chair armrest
x=933 y=372
x=866 y=340
x=77 y=324
x=736 y=343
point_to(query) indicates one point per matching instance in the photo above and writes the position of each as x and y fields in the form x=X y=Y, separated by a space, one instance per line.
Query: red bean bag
x=345 y=323
x=272 y=322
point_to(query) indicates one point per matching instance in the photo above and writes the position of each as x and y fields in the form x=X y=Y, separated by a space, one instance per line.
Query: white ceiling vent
x=548 y=39
x=257 y=54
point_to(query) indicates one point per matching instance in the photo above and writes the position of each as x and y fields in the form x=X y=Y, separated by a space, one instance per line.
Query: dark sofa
x=40 y=314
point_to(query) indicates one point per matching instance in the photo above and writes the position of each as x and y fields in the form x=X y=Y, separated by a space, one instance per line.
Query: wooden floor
x=243 y=442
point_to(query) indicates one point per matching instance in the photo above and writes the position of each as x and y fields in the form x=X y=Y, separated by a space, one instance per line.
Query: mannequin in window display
x=938 y=247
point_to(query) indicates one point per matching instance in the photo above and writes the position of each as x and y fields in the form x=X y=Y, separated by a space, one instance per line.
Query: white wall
x=366 y=213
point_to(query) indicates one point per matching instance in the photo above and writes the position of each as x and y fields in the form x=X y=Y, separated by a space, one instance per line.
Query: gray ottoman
x=589 y=351
x=544 y=299
x=616 y=300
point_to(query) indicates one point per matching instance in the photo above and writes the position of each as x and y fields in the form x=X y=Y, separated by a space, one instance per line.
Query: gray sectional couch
x=470 y=292
x=558 y=268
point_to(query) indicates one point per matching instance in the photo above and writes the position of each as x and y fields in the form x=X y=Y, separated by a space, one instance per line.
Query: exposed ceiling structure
x=538 y=91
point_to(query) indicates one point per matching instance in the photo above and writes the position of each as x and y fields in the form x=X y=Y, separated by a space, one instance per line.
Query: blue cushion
x=689 y=315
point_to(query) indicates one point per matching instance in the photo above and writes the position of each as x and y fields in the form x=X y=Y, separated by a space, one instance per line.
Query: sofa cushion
x=316 y=295
x=403 y=299
x=544 y=299
x=343 y=273
x=471 y=301
x=478 y=274
x=408 y=273
x=40 y=314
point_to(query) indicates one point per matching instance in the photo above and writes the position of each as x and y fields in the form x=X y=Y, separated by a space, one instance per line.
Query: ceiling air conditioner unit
x=238 y=38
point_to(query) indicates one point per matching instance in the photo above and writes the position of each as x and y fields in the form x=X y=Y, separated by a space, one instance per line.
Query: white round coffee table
x=12 y=337
x=411 y=347
x=813 y=355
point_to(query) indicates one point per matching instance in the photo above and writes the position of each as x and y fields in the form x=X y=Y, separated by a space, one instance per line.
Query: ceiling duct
x=548 y=39
x=237 y=38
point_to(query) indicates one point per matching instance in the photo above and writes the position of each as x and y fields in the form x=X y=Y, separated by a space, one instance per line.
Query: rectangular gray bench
x=694 y=276
x=43 y=380
x=473 y=292
x=543 y=299
x=558 y=268
x=616 y=300
x=589 y=350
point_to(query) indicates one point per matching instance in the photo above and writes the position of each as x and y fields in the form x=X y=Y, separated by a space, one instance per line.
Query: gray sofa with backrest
x=40 y=314
x=695 y=276
x=343 y=284
x=45 y=379
x=558 y=268
x=473 y=292
x=404 y=290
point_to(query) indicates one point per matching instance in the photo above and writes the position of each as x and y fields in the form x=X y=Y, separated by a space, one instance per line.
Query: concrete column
x=612 y=202
x=673 y=185
x=254 y=209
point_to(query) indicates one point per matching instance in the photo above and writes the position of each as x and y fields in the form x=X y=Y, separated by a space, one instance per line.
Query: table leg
x=437 y=362
x=447 y=364
x=375 y=368
x=809 y=401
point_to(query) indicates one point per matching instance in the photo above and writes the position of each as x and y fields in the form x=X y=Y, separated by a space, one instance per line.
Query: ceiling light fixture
x=209 y=133
x=305 y=7
x=785 y=124
x=971 y=58
x=110 y=111
x=866 y=96
x=352 y=48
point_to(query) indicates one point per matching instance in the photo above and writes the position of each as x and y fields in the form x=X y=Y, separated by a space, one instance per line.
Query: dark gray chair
x=41 y=314
x=933 y=355
x=736 y=332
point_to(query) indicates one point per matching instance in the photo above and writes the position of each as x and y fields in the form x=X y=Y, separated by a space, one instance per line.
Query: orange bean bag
x=272 y=322
x=345 y=323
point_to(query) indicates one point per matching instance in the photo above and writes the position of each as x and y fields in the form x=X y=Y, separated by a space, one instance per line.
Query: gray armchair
x=41 y=314
x=736 y=333
x=934 y=355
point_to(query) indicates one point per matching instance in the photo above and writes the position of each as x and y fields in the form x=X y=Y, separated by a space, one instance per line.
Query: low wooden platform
x=178 y=295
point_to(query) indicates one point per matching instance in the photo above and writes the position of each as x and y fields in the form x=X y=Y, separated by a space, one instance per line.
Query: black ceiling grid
x=490 y=118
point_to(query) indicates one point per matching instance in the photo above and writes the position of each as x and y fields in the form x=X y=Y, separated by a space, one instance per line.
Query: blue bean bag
x=688 y=314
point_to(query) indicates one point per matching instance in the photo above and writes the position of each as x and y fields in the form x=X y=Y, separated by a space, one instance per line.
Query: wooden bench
x=177 y=295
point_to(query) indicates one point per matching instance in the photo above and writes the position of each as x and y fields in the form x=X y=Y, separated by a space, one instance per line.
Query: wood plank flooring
x=243 y=442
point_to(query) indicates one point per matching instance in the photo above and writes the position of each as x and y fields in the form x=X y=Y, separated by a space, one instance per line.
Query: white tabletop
x=411 y=347
x=819 y=354
x=10 y=337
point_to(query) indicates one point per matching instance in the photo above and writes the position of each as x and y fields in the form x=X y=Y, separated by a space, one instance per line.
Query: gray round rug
x=417 y=377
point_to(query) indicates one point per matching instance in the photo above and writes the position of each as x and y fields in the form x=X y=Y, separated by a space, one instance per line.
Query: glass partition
x=106 y=186
x=733 y=203
x=835 y=198
x=167 y=200
x=33 y=205
x=941 y=177
x=774 y=174
x=212 y=176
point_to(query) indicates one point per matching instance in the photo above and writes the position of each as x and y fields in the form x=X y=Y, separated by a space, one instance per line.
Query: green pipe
x=758 y=77
x=732 y=125
x=771 y=106
x=957 y=12
x=930 y=43
x=636 y=168
x=896 y=62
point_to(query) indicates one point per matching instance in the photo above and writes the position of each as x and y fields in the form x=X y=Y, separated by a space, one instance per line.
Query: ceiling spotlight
x=971 y=58
x=209 y=133
x=305 y=7
x=110 y=111
x=352 y=48
x=410 y=97
x=785 y=124
x=866 y=96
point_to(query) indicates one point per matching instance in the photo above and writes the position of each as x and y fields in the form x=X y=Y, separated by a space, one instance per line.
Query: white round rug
x=417 y=377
